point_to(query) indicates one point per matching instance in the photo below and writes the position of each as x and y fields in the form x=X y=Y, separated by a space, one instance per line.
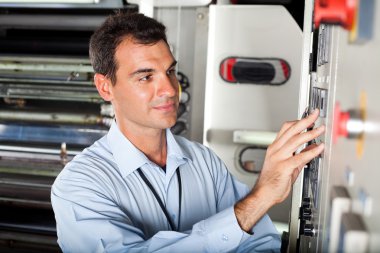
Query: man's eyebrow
x=139 y=71
x=173 y=64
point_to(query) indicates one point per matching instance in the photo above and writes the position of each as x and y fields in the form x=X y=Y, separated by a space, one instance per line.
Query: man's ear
x=104 y=86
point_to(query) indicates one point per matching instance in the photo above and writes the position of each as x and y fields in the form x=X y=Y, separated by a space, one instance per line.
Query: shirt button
x=224 y=237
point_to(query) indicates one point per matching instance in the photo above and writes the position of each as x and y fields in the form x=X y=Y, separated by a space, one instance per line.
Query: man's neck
x=152 y=142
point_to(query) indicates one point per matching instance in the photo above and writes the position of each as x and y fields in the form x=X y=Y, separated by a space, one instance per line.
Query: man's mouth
x=169 y=106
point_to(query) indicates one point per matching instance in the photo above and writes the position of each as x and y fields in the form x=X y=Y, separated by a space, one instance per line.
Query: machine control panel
x=336 y=198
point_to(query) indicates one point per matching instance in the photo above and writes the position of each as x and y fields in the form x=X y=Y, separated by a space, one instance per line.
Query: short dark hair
x=117 y=27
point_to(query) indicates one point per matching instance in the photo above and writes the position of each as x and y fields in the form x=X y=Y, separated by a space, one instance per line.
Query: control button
x=349 y=124
x=181 y=109
x=185 y=97
x=341 y=12
x=308 y=230
x=306 y=202
x=305 y=213
x=179 y=127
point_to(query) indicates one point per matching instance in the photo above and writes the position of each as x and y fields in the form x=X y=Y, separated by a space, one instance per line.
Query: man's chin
x=164 y=124
x=170 y=125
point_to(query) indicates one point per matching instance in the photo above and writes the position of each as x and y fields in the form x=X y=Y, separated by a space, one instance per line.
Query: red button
x=340 y=123
x=341 y=12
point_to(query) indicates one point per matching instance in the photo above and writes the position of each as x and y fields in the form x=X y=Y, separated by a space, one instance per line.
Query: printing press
x=49 y=111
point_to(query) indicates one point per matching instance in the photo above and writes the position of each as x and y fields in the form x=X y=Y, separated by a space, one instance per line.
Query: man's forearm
x=250 y=209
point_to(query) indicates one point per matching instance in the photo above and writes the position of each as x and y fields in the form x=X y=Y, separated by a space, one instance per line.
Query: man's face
x=146 y=92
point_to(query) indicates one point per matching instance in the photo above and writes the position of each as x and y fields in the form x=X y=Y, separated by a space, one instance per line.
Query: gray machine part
x=238 y=116
x=49 y=111
x=343 y=84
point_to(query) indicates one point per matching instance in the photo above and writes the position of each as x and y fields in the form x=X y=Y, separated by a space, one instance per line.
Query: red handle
x=335 y=12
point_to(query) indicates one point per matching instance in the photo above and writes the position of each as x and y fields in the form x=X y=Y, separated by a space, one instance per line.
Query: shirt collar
x=128 y=158
x=174 y=150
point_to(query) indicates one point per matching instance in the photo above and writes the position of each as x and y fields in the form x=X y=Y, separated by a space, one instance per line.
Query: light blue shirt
x=101 y=204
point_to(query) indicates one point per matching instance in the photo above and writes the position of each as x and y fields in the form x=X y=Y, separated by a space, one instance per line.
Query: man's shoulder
x=100 y=148
x=98 y=152
x=95 y=159
x=93 y=173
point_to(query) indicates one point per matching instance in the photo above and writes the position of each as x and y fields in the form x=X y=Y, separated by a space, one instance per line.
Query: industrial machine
x=335 y=202
x=261 y=69
x=49 y=111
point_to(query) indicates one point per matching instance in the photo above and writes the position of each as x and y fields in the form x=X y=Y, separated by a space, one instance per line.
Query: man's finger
x=301 y=159
x=296 y=141
x=295 y=129
x=285 y=127
x=309 y=147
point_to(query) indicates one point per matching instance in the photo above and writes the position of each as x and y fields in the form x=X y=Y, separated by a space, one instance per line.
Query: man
x=142 y=189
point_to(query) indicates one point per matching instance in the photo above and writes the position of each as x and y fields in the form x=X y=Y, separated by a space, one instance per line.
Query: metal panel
x=258 y=32
x=345 y=77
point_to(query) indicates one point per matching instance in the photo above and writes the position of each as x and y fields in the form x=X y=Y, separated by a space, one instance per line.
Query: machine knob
x=341 y=12
x=179 y=127
x=181 y=109
x=185 y=97
x=348 y=124
x=305 y=213
x=308 y=230
x=306 y=203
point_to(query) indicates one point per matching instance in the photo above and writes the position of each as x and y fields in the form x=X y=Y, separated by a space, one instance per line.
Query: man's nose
x=167 y=86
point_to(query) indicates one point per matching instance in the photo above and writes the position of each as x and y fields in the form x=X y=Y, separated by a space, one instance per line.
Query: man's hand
x=280 y=170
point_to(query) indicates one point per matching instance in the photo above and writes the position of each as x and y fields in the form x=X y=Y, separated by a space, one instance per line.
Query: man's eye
x=171 y=72
x=145 y=78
